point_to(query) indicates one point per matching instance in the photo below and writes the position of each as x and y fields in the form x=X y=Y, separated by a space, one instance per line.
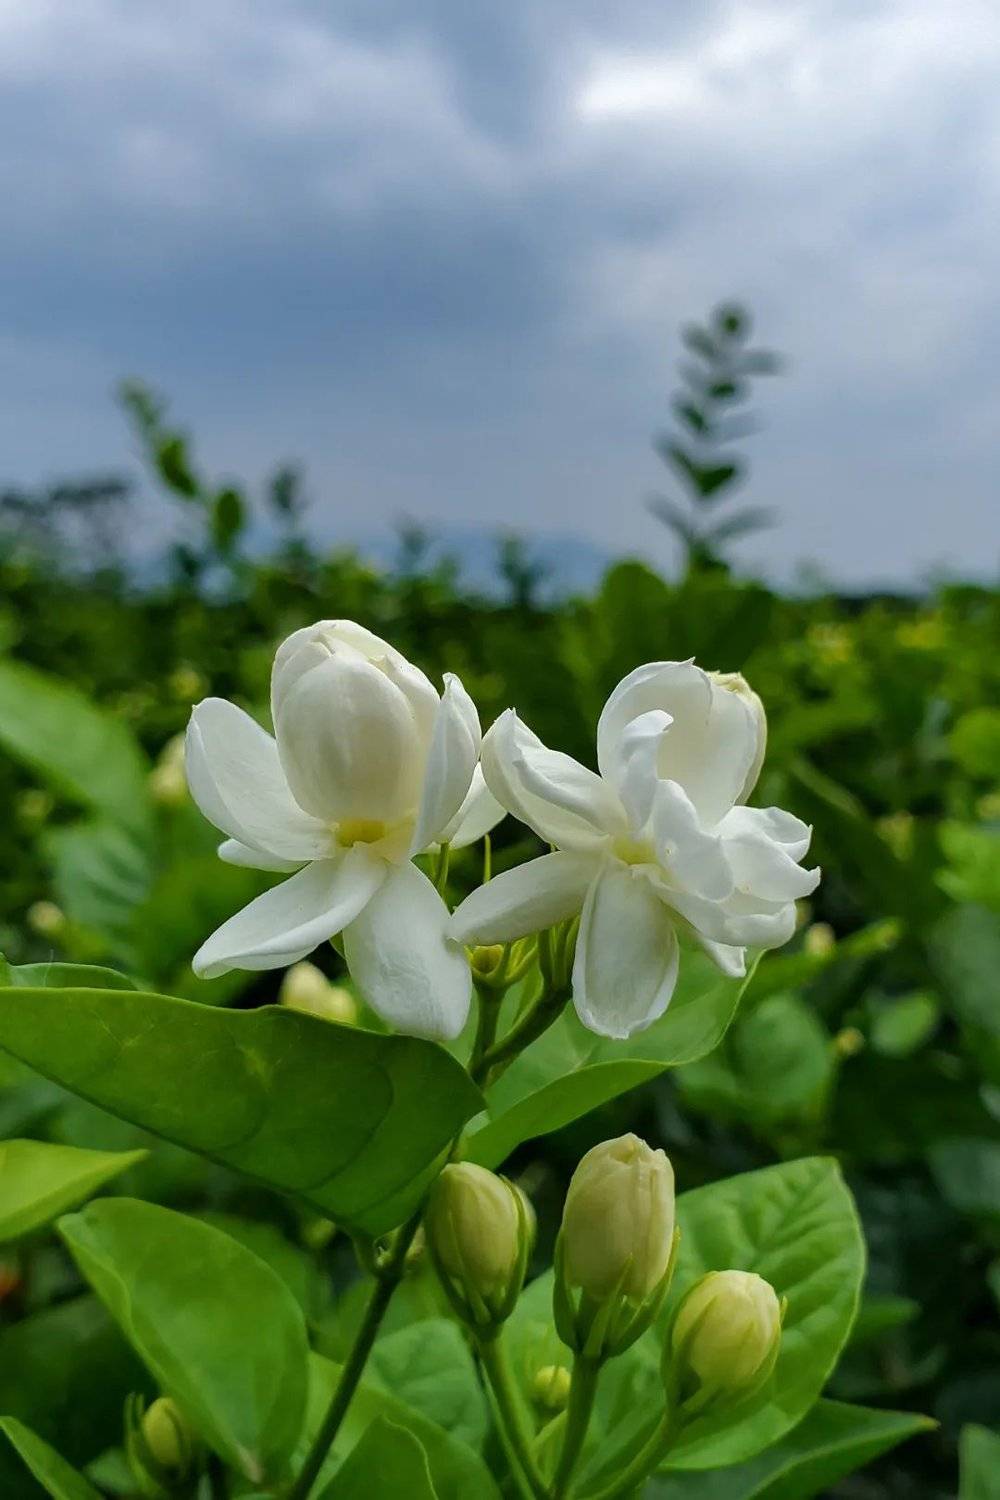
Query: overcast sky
x=439 y=253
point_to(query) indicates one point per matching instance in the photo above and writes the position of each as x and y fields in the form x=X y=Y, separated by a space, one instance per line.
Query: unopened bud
x=725 y=1338
x=168 y=1436
x=819 y=940
x=162 y=1448
x=307 y=988
x=735 y=682
x=46 y=918
x=849 y=1042
x=479 y=1236
x=616 y=1245
x=167 y=781
x=550 y=1387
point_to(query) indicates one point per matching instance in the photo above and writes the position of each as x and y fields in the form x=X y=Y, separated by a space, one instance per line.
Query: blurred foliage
x=874 y=1037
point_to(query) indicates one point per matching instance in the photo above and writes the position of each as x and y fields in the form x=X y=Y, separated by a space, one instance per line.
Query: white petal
x=406 y=966
x=232 y=852
x=478 y=814
x=773 y=823
x=763 y=866
x=235 y=777
x=626 y=955
x=693 y=859
x=526 y=899
x=740 y=922
x=305 y=648
x=732 y=961
x=709 y=748
x=636 y=764
x=287 y=922
x=348 y=739
x=561 y=800
x=452 y=759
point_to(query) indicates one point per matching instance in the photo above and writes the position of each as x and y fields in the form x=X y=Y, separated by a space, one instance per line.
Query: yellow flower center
x=360 y=831
x=633 y=851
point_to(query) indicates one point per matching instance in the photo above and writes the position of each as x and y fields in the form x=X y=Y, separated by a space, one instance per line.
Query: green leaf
x=387 y=1461
x=975 y=742
x=979 y=1464
x=973 y=870
x=59 y=976
x=796 y=1226
x=965 y=949
x=833 y=1441
x=456 y=1470
x=901 y=1027
x=100 y=877
x=429 y=1366
x=227 y=518
x=967 y=1173
x=219 y=1330
x=570 y=1071
x=81 y=750
x=352 y=1122
x=58 y=1478
x=39 y=1180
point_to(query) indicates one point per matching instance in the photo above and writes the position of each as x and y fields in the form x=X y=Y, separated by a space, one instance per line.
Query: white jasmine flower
x=368 y=766
x=659 y=841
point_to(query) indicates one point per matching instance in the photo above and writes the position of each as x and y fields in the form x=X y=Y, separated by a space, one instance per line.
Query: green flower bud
x=306 y=988
x=168 y=1436
x=615 y=1247
x=479 y=1235
x=550 y=1387
x=725 y=1338
x=162 y=1448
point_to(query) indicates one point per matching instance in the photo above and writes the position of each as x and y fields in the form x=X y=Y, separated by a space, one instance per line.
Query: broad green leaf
x=965 y=949
x=219 y=1330
x=975 y=742
x=902 y=1026
x=973 y=870
x=833 y=1440
x=58 y=1478
x=570 y=1071
x=979 y=1464
x=39 y=1180
x=387 y=1461
x=429 y=1366
x=352 y=1122
x=101 y=875
x=795 y=1225
x=297 y=1268
x=457 y=1471
x=60 y=976
x=81 y=750
x=967 y=1173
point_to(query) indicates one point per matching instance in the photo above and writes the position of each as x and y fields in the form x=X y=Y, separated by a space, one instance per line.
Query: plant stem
x=489 y=1002
x=539 y=1018
x=513 y=1429
x=578 y=1410
x=387 y=1279
x=645 y=1461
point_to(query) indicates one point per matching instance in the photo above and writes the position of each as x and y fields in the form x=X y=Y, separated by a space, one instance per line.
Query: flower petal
x=637 y=764
x=561 y=800
x=347 y=738
x=305 y=648
x=774 y=823
x=626 y=955
x=479 y=813
x=451 y=761
x=235 y=776
x=288 y=921
x=709 y=749
x=742 y=921
x=526 y=899
x=405 y=964
x=732 y=961
x=232 y=852
x=693 y=859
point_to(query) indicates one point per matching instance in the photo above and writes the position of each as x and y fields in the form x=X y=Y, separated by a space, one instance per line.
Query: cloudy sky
x=439 y=252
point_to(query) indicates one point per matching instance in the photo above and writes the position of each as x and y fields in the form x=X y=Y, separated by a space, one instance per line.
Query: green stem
x=578 y=1410
x=642 y=1465
x=513 y=1428
x=388 y=1278
x=528 y=1029
x=489 y=1002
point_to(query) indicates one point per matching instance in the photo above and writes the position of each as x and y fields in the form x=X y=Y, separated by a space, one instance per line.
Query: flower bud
x=616 y=1245
x=46 y=918
x=735 y=682
x=168 y=1436
x=725 y=1338
x=306 y=988
x=479 y=1236
x=819 y=940
x=550 y=1387
x=162 y=1448
x=167 y=780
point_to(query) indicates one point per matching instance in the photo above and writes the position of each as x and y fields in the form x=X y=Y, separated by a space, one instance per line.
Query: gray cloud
x=442 y=258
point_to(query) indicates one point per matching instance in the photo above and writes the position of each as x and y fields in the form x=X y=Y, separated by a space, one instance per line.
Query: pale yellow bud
x=46 y=918
x=187 y=683
x=550 y=1387
x=735 y=682
x=726 y=1334
x=618 y=1222
x=819 y=940
x=477 y=1230
x=167 y=781
x=168 y=1436
x=307 y=988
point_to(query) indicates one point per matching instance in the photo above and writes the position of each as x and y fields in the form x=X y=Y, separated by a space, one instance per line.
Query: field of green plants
x=864 y=1052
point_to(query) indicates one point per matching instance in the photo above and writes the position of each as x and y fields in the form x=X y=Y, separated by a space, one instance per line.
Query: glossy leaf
x=59 y=976
x=979 y=1463
x=80 y=749
x=429 y=1366
x=218 y=1329
x=39 y=1180
x=967 y=1173
x=58 y=1478
x=350 y=1121
x=387 y=1461
x=834 y=1440
x=570 y=1071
